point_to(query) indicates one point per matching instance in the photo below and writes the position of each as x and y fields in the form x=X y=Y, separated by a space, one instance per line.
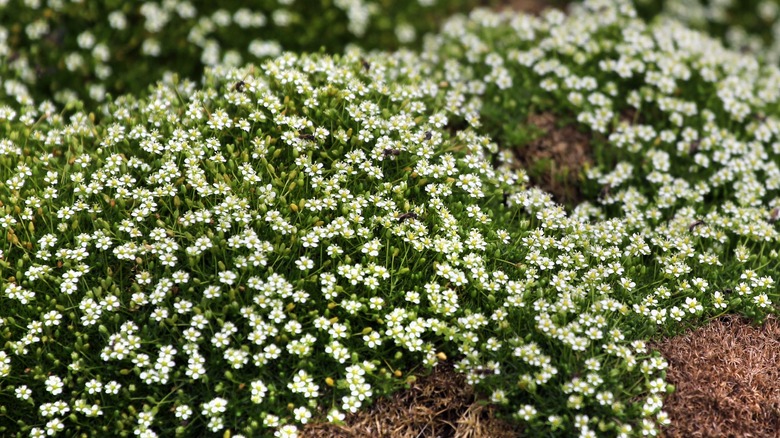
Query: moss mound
x=283 y=242
x=85 y=49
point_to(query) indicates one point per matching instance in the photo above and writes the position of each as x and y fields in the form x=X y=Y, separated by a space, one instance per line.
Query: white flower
x=54 y=385
x=23 y=392
x=227 y=277
x=214 y=407
x=527 y=412
x=183 y=412
x=286 y=431
x=304 y=263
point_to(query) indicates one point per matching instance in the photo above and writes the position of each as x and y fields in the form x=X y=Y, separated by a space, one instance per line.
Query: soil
x=528 y=6
x=555 y=159
x=438 y=405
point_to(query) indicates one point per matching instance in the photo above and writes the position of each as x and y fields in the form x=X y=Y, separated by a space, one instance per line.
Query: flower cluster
x=248 y=248
x=746 y=25
x=684 y=176
x=289 y=240
x=84 y=50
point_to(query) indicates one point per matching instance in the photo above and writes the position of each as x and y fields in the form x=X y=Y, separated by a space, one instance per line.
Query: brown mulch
x=726 y=374
x=727 y=378
x=565 y=151
x=535 y=7
x=438 y=405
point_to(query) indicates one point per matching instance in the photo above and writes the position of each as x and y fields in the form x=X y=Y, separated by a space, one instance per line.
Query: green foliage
x=312 y=191
x=744 y=25
x=280 y=243
x=98 y=47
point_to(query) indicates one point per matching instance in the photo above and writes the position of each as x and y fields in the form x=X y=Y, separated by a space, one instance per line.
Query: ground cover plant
x=119 y=47
x=281 y=243
x=747 y=25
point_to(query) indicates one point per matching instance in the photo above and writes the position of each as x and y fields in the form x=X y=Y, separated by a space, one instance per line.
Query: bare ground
x=727 y=375
x=438 y=405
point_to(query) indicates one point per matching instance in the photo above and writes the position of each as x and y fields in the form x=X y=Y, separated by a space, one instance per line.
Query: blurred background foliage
x=745 y=25
x=66 y=48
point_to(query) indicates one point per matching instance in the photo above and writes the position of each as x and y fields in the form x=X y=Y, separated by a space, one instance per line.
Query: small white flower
x=54 y=385
x=227 y=277
x=304 y=263
x=23 y=392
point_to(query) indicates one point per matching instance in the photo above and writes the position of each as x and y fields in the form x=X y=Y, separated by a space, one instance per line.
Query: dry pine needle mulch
x=566 y=150
x=438 y=405
x=727 y=378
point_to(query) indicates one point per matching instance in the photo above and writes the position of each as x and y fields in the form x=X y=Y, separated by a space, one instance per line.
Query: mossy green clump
x=283 y=242
x=664 y=103
x=91 y=48
x=216 y=255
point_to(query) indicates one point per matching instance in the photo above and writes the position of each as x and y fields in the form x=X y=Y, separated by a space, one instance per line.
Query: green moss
x=98 y=47
x=294 y=238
